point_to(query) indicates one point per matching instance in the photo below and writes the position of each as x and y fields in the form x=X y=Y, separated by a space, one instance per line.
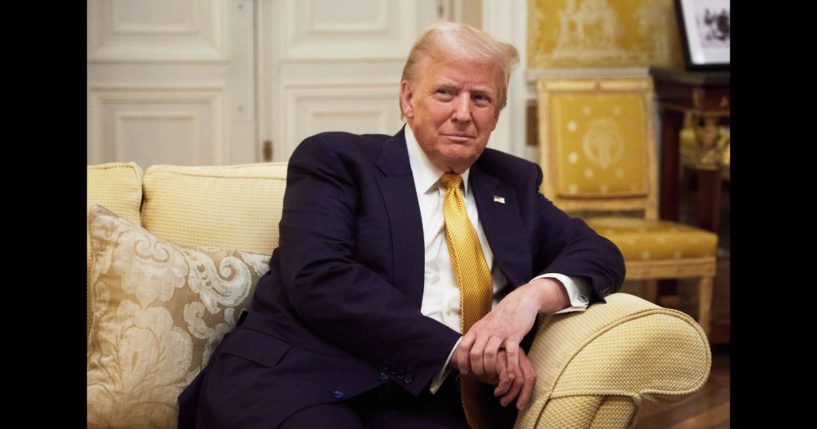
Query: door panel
x=334 y=66
x=207 y=81
x=171 y=82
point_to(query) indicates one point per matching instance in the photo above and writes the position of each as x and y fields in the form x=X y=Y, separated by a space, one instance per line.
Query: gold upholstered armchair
x=170 y=237
x=597 y=151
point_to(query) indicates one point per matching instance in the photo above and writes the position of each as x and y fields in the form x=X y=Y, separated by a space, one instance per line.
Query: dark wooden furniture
x=706 y=96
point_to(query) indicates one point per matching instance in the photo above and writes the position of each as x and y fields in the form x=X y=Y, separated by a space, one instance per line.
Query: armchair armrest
x=595 y=368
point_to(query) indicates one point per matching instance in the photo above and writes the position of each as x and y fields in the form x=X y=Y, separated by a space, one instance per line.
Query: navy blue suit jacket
x=338 y=313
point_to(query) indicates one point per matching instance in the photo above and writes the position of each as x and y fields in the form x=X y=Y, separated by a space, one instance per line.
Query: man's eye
x=444 y=94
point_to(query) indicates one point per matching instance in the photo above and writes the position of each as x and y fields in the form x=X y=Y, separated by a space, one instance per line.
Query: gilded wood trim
x=671 y=268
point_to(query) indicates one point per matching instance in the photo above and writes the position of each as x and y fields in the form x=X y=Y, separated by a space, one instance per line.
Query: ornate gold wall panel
x=602 y=33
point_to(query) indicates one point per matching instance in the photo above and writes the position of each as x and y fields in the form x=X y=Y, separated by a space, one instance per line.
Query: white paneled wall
x=156 y=31
x=334 y=66
x=154 y=125
x=171 y=82
x=363 y=108
x=210 y=81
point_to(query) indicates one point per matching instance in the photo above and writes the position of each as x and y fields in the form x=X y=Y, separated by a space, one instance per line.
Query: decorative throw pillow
x=118 y=187
x=159 y=310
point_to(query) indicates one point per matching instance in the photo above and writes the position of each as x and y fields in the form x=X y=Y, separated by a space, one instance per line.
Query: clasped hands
x=490 y=349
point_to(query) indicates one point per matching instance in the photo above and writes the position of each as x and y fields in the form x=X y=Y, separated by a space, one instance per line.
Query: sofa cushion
x=232 y=207
x=159 y=311
x=653 y=240
x=117 y=186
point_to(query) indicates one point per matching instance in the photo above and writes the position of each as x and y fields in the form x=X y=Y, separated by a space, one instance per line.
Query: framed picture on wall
x=704 y=26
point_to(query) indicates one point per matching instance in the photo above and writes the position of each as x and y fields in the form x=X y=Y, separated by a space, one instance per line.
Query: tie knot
x=451 y=180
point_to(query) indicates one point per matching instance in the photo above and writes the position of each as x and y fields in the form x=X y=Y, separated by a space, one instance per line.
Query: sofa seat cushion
x=233 y=207
x=117 y=186
x=160 y=310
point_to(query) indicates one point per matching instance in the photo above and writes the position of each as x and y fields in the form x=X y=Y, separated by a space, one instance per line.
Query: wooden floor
x=707 y=409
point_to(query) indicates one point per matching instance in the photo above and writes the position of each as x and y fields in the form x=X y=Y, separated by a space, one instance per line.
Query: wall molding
x=507 y=20
x=120 y=118
x=212 y=97
x=296 y=93
x=111 y=41
x=307 y=40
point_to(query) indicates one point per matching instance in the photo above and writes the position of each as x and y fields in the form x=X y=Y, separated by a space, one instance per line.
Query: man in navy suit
x=357 y=323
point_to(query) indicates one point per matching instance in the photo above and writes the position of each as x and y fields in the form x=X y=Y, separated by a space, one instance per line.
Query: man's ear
x=405 y=99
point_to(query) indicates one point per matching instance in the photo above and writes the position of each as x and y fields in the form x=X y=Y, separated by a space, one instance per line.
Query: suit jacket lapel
x=400 y=197
x=503 y=226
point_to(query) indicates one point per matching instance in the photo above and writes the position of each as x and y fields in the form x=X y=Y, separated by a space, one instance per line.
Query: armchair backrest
x=597 y=143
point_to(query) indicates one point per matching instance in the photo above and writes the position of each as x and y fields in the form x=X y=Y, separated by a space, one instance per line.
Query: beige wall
x=602 y=33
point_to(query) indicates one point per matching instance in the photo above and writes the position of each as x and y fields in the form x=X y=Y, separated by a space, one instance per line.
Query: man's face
x=452 y=108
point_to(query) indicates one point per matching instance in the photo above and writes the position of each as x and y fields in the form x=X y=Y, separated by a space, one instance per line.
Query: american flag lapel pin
x=498 y=199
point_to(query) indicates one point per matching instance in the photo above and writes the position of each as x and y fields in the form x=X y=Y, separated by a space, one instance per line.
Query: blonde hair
x=447 y=40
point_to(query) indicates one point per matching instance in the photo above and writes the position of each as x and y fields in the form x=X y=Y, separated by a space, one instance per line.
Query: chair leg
x=705 y=286
x=650 y=290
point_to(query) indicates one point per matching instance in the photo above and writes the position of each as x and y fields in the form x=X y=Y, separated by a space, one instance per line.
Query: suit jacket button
x=337 y=394
x=408 y=379
x=382 y=376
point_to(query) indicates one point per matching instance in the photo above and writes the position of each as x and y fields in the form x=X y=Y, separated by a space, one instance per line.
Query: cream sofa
x=176 y=258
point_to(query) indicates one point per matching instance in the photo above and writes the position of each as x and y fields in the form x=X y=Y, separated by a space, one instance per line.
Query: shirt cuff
x=577 y=289
x=442 y=374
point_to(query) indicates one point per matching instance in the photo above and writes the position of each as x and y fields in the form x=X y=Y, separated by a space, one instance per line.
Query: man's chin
x=459 y=164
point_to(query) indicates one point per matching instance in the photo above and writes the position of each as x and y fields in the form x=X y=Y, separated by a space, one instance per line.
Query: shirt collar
x=425 y=173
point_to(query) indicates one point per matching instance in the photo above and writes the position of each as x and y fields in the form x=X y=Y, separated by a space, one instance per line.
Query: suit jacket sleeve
x=341 y=299
x=569 y=246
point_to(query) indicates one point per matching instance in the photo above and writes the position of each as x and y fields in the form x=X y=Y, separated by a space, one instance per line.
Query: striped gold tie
x=474 y=280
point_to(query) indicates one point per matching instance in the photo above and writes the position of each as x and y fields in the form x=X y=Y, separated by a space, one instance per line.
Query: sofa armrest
x=595 y=368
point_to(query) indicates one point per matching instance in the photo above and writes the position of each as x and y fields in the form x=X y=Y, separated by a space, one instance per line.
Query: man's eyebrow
x=445 y=83
x=484 y=90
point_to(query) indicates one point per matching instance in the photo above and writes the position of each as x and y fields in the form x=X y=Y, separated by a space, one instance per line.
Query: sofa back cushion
x=118 y=187
x=160 y=310
x=231 y=207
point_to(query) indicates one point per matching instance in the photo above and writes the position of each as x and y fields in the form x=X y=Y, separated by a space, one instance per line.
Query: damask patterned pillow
x=159 y=310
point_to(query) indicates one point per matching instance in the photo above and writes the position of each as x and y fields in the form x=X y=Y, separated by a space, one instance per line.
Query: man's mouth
x=458 y=137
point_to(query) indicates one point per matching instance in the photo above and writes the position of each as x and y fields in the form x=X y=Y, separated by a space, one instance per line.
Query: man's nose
x=462 y=108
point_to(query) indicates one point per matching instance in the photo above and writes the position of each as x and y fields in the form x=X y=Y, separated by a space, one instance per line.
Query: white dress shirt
x=441 y=295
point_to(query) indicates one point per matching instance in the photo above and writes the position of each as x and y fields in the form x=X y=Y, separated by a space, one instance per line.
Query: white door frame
x=507 y=20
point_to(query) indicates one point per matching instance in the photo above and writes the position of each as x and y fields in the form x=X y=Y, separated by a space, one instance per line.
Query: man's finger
x=512 y=393
x=503 y=386
x=476 y=354
x=462 y=361
x=527 y=390
x=512 y=356
x=502 y=374
x=490 y=356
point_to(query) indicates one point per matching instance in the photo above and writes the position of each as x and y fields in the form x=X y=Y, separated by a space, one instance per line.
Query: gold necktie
x=474 y=280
